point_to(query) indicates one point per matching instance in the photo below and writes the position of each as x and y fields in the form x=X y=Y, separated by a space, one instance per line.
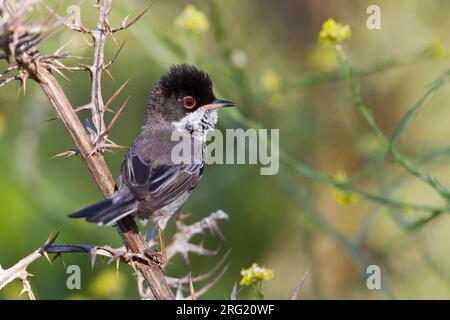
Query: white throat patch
x=197 y=123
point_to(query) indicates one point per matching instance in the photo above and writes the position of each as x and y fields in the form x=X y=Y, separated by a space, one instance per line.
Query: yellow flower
x=438 y=50
x=271 y=81
x=254 y=274
x=333 y=32
x=192 y=20
x=343 y=196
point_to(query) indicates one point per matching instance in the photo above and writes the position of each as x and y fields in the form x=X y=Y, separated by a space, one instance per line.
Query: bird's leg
x=150 y=235
x=163 y=246
x=124 y=242
x=159 y=257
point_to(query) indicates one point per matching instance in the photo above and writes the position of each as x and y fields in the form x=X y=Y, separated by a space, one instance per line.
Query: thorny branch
x=99 y=132
x=181 y=239
x=182 y=244
x=18 y=40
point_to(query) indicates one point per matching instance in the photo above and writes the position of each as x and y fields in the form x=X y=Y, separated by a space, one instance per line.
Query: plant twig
x=182 y=244
x=299 y=288
x=391 y=144
x=31 y=65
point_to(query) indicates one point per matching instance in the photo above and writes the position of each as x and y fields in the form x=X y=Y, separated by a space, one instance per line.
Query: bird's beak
x=217 y=104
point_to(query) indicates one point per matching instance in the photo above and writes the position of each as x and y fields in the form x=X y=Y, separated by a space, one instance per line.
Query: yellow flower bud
x=333 y=32
x=192 y=20
x=255 y=274
x=343 y=196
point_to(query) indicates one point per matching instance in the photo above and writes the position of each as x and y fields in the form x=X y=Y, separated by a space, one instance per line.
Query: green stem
x=387 y=143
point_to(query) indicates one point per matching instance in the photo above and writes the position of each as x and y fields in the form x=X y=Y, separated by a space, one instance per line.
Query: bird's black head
x=182 y=91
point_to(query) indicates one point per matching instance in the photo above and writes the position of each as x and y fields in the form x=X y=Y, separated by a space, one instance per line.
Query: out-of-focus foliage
x=264 y=55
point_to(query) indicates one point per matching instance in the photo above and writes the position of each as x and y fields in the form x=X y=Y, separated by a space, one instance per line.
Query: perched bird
x=152 y=184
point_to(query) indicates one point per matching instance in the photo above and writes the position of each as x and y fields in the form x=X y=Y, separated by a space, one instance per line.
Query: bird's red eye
x=189 y=102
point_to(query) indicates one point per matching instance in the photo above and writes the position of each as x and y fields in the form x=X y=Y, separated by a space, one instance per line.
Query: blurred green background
x=264 y=55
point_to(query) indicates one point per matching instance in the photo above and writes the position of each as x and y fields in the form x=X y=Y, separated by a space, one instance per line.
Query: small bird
x=152 y=184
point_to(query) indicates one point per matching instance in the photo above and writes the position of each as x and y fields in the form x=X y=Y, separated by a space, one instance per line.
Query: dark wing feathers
x=97 y=207
x=108 y=211
x=115 y=212
x=173 y=181
x=139 y=171
x=163 y=183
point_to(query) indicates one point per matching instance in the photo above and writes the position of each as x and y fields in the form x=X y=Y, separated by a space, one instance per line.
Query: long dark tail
x=108 y=211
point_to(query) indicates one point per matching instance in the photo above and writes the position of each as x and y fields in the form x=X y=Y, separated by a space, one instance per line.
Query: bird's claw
x=159 y=258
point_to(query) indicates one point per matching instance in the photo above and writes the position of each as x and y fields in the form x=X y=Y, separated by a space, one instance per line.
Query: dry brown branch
x=182 y=243
x=115 y=95
x=189 y=280
x=114 y=59
x=78 y=28
x=99 y=134
x=19 y=270
x=184 y=235
x=18 y=45
x=124 y=25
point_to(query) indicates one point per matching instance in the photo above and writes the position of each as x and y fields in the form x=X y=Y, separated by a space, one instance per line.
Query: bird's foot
x=156 y=257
